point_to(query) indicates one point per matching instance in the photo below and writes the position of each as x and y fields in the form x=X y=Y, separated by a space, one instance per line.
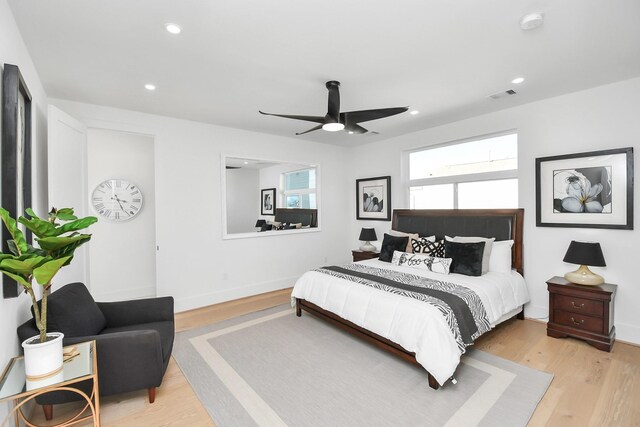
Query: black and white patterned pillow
x=436 y=265
x=424 y=246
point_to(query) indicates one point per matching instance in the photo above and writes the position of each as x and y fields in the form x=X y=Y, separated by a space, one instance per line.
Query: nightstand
x=362 y=255
x=583 y=312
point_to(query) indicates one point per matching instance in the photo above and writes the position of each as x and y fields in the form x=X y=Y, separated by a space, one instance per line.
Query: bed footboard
x=356 y=330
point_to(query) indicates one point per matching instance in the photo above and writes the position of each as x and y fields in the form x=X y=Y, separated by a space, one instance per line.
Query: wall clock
x=117 y=200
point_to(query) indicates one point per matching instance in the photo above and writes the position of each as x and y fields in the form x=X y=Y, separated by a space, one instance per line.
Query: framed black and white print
x=587 y=190
x=16 y=156
x=267 y=201
x=373 y=198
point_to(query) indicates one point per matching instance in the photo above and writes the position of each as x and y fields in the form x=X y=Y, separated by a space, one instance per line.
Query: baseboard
x=627 y=333
x=203 y=300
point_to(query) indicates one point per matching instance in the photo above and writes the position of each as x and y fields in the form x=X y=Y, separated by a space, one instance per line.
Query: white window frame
x=298 y=192
x=455 y=179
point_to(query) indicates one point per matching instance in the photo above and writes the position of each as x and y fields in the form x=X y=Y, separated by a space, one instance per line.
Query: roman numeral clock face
x=117 y=200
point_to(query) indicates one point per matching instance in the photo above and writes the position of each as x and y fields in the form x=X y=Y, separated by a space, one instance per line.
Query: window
x=300 y=189
x=477 y=174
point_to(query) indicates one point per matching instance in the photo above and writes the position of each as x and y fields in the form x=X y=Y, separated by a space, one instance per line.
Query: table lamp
x=260 y=223
x=584 y=254
x=368 y=235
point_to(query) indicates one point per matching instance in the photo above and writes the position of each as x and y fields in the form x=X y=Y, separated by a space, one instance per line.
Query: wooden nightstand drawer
x=579 y=305
x=578 y=321
x=363 y=255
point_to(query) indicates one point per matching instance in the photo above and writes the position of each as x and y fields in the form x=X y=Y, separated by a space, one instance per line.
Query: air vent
x=502 y=94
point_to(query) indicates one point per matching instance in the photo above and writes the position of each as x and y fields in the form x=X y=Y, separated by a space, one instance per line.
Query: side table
x=15 y=386
x=359 y=255
x=583 y=312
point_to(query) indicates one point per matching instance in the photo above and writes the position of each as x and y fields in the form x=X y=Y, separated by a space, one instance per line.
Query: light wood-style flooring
x=590 y=387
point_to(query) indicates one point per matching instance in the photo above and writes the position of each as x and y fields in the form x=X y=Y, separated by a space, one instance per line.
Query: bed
x=416 y=331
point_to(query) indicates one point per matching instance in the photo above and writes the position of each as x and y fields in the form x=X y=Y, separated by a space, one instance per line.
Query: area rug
x=271 y=368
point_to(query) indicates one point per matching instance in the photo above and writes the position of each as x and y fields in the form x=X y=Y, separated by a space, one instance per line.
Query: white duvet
x=415 y=325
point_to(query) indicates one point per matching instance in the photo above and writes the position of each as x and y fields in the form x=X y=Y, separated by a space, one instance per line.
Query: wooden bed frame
x=503 y=224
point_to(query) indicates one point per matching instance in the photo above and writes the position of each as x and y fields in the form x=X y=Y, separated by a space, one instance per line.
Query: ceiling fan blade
x=315 y=119
x=355 y=128
x=333 y=108
x=367 y=115
x=310 y=130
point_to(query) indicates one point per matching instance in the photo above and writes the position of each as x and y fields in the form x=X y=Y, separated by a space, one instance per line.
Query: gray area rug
x=272 y=368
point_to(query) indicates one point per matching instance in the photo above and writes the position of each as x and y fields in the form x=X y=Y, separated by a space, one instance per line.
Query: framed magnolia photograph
x=267 y=201
x=16 y=157
x=588 y=190
x=373 y=198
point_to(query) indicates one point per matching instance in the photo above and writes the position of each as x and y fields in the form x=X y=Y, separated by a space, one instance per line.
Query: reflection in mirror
x=269 y=196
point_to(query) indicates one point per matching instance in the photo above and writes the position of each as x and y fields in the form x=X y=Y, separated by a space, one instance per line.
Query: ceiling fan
x=334 y=120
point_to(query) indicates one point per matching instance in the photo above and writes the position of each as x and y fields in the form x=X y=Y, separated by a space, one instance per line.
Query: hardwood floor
x=590 y=387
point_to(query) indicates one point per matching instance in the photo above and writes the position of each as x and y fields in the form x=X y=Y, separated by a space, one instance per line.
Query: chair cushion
x=165 y=329
x=72 y=311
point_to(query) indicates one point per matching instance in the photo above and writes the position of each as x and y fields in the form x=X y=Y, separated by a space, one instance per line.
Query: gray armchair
x=134 y=340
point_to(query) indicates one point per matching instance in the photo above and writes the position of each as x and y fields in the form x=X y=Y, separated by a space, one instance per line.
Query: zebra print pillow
x=437 y=265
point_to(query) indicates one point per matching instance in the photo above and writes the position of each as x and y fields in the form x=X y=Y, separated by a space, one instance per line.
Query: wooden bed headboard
x=503 y=224
x=305 y=216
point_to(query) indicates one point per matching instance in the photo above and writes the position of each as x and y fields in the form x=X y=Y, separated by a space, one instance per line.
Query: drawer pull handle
x=577 y=323
x=573 y=303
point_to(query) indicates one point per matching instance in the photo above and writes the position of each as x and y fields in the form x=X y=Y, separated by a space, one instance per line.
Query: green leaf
x=66 y=214
x=24 y=267
x=13 y=248
x=46 y=271
x=77 y=224
x=18 y=278
x=57 y=243
x=39 y=227
x=35 y=251
x=12 y=226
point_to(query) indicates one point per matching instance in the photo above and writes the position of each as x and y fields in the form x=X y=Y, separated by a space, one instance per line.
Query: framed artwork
x=587 y=190
x=268 y=201
x=16 y=156
x=373 y=198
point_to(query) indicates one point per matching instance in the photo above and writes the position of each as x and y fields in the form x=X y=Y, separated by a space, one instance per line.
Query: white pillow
x=500 y=260
x=436 y=265
x=410 y=236
x=486 y=255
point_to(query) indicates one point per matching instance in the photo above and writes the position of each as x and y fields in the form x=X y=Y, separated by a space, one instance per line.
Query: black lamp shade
x=585 y=253
x=368 y=235
x=260 y=223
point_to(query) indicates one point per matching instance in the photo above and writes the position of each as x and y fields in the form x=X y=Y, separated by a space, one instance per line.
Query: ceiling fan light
x=332 y=127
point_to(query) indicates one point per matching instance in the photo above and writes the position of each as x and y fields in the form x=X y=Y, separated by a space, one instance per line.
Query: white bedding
x=415 y=325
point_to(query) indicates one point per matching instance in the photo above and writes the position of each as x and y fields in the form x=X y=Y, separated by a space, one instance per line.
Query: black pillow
x=467 y=257
x=74 y=312
x=390 y=244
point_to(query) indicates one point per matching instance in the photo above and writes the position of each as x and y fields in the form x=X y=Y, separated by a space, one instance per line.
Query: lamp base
x=584 y=276
x=367 y=247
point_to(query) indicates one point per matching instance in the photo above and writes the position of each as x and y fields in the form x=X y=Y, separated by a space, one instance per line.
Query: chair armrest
x=127 y=361
x=133 y=312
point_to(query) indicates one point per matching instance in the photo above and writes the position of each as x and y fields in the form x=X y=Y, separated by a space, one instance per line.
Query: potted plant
x=57 y=238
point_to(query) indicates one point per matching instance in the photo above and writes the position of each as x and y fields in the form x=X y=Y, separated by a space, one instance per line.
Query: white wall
x=122 y=254
x=595 y=119
x=13 y=51
x=243 y=200
x=195 y=264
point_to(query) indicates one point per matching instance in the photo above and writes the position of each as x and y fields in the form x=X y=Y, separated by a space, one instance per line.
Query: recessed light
x=150 y=86
x=414 y=112
x=173 y=28
x=517 y=80
x=350 y=132
x=246 y=163
x=531 y=21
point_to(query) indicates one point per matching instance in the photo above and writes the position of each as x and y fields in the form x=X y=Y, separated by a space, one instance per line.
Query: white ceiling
x=440 y=57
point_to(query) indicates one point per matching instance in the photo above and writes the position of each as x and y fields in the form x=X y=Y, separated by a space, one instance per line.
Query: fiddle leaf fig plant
x=58 y=237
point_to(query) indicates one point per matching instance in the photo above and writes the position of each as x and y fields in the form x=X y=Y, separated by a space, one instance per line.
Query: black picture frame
x=607 y=202
x=16 y=157
x=373 y=198
x=268 y=201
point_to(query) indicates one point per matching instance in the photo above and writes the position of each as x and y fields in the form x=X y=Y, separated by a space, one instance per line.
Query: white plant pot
x=43 y=359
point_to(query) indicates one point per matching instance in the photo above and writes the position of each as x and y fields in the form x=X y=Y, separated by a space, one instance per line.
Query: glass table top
x=15 y=382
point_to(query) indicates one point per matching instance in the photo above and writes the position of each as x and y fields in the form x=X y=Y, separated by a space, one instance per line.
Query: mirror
x=268 y=197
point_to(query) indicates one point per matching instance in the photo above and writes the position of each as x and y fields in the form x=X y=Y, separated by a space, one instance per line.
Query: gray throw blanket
x=462 y=308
